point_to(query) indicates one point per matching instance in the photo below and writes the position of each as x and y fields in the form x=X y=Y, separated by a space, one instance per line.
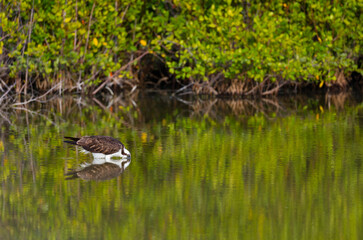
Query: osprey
x=99 y=169
x=101 y=146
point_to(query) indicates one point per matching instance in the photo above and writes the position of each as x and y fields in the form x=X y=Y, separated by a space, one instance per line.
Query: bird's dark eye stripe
x=123 y=151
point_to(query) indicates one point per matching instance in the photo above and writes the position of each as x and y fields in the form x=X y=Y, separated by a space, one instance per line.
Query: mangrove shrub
x=82 y=43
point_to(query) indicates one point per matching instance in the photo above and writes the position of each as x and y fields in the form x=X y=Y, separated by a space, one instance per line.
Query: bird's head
x=125 y=153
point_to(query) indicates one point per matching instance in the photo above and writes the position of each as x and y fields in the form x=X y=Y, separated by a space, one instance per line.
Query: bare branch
x=89 y=28
x=35 y=99
x=3 y=96
x=117 y=72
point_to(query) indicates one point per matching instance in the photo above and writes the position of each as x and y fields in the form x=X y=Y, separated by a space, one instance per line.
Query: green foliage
x=292 y=41
x=298 y=41
x=76 y=36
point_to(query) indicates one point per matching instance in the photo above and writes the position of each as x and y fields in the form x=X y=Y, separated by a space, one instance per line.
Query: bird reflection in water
x=100 y=169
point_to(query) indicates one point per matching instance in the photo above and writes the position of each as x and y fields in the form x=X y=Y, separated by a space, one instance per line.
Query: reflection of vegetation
x=216 y=174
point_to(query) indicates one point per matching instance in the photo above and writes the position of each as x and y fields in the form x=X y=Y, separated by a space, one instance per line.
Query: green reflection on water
x=208 y=170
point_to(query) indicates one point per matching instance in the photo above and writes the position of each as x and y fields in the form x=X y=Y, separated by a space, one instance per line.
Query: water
x=200 y=169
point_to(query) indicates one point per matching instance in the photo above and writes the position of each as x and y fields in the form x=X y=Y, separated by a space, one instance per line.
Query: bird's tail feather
x=71 y=174
x=70 y=177
x=74 y=140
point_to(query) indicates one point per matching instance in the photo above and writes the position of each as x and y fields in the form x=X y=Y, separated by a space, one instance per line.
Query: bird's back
x=100 y=144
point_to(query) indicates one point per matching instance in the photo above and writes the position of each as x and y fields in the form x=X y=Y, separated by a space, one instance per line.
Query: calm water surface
x=200 y=169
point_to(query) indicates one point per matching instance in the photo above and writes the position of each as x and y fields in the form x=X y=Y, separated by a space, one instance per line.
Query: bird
x=99 y=169
x=100 y=146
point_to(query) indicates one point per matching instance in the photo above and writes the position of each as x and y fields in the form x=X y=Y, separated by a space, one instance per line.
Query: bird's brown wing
x=100 y=144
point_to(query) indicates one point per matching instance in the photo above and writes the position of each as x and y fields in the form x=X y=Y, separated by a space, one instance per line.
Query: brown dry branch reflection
x=132 y=111
x=337 y=100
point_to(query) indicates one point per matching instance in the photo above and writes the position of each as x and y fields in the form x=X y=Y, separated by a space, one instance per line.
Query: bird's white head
x=125 y=153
